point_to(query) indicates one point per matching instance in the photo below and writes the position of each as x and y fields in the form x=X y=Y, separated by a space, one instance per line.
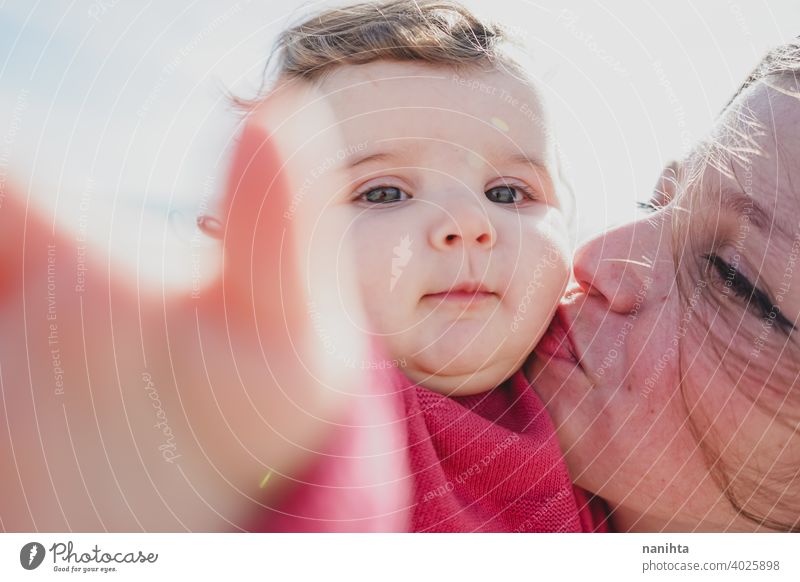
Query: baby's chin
x=459 y=377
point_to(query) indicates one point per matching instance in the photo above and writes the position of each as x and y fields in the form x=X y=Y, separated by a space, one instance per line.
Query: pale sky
x=123 y=103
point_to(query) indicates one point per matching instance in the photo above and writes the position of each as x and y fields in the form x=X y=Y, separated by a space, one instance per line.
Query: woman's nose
x=464 y=223
x=626 y=264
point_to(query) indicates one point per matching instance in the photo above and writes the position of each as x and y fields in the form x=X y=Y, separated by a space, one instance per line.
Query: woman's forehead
x=755 y=152
x=765 y=119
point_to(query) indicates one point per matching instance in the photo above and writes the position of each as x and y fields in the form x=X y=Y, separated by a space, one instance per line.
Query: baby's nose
x=466 y=225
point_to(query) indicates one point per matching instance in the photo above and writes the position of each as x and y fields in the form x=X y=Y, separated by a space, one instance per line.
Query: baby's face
x=461 y=244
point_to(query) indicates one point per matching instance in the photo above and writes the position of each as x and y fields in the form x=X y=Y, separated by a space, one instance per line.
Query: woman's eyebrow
x=747 y=205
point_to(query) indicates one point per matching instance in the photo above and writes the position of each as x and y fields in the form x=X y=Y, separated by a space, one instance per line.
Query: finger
x=13 y=216
x=267 y=219
x=283 y=252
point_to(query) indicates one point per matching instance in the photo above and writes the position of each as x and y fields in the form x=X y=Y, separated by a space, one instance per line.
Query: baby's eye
x=384 y=195
x=507 y=194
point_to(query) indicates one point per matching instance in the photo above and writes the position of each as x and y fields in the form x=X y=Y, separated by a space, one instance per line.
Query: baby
x=453 y=203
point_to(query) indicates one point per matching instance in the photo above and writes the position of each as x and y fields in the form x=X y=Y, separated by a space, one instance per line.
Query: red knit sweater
x=408 y=459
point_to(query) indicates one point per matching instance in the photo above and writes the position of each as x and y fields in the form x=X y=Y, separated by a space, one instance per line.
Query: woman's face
x=685 y=352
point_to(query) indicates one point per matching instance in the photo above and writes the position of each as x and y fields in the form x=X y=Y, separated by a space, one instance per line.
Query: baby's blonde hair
x=437 y=32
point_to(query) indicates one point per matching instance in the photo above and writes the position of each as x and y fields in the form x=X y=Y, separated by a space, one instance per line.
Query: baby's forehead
x=471 y=107
x=489 y=78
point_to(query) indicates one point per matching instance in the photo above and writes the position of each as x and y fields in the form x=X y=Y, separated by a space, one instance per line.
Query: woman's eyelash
x=648 y=206
x=745 y=290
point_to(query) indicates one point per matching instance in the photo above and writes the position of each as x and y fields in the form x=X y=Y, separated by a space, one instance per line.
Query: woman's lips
x=556 y=343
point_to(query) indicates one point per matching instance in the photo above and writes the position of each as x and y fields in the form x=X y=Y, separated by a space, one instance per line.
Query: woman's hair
x=781 y=62
x=767 y=496
x=437 y=32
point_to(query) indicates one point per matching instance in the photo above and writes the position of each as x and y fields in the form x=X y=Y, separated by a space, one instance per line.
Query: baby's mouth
x=465 y=294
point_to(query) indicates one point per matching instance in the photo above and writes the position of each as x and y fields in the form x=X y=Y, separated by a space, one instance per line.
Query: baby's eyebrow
x=521 y=158
x=384 y=150
x=500 y=159
x=376 y=157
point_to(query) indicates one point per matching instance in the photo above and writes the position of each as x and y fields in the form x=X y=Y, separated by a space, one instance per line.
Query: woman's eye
x=508 y=195
x=752 y=296
x=384 y=195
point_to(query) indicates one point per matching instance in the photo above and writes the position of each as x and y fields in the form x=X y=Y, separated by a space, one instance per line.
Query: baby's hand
x=162 y=411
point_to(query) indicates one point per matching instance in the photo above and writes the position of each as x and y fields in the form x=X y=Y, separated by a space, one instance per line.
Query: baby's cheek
x=539 y=282
x=546 y=245
x=386 y=286
x=373 y=254
x=543 y=268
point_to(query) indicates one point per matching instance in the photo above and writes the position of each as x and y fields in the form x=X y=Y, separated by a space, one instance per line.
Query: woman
x=674 y=388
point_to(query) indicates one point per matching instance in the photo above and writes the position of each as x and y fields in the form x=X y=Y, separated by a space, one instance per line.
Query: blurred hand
x=126 y=408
